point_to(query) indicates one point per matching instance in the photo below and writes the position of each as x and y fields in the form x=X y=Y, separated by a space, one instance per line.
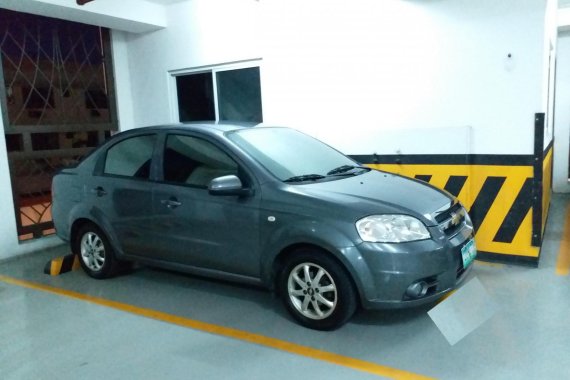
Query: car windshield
x=293 y=156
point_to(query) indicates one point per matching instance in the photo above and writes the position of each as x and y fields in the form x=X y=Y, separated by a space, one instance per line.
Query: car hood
x=380 y=192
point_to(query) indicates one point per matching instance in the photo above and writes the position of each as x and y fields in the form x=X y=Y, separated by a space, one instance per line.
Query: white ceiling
x=561 y=3
x=167 y=2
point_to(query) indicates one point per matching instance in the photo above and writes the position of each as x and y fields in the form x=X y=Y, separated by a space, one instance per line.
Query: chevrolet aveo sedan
x=267 y=206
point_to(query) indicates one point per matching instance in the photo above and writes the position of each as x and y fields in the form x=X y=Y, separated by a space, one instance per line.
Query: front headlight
x=391 y=229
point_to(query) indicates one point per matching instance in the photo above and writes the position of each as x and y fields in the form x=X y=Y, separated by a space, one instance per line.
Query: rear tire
x=95 y=253
x=317 y=290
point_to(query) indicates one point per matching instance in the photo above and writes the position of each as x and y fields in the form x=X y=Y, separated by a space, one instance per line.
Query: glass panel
x=15 y=143
x=195 y=97
x=287 y=153
x=45 y=141
x=195 y=161
x=67 y=140
x=53 y=70
x=239 y=95
x=37 y=98
x=131 y=157
x=95 y=99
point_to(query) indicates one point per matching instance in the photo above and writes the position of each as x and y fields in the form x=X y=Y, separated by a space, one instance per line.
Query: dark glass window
x=56 y=140
x=37 y=98
x=131 y=157
x=194 y=161
x=195 y=97
x=14 y=143
x=96 y=99
x=239 y=95
x=45 y=141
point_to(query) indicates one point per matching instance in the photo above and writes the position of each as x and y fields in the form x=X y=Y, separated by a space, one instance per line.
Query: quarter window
x=193 y=161
x=131 y=157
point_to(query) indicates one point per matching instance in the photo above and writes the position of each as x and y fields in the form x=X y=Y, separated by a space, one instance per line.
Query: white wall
x=408 y=64
x=331 y=67
x=562 y=115
x=122 y=76
x=549 y=68
x=200 y=33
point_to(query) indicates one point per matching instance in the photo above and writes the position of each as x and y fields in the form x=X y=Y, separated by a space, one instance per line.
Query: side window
x=194 y=161
x=131 y=157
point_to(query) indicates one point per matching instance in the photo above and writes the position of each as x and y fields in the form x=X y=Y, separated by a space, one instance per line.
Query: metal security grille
x=57 y=102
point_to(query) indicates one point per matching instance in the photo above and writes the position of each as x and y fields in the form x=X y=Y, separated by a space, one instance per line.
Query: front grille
x=451 y=220
x=444 y=215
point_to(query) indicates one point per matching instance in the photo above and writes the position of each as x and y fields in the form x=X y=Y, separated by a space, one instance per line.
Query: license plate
x=468 y=253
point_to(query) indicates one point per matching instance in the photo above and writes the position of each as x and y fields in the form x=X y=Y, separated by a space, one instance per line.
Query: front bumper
x=386 y=271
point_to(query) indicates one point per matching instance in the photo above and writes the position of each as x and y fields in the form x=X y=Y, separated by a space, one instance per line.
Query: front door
x=196 y=228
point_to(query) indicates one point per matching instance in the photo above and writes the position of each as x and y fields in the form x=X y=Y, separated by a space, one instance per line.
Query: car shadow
x=391 y=316
x=246 y=293
x=208 y=287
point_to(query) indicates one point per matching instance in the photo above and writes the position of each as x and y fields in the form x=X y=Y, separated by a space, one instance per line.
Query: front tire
x=317 y=291
x=95 y=253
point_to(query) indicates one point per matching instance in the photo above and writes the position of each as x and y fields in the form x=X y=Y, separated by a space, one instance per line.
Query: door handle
x=98 y=191
x=171 y=203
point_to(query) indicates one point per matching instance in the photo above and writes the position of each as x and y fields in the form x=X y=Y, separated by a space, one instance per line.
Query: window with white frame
x=221 y=94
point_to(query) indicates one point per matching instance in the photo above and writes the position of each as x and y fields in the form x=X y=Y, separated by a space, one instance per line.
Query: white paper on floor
x=464 y=311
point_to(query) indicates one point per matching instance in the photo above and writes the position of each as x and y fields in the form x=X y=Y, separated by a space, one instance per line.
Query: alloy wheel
x=312 y=291
x=92 y=251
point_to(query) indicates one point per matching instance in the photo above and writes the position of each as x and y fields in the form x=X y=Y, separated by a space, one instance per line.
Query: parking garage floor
x=152 y=324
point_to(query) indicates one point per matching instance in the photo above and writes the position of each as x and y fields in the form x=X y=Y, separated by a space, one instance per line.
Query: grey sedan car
x=269 y=206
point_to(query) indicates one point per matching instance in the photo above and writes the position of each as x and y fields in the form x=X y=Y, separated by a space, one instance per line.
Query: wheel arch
x=101 y=225
x=287 y=252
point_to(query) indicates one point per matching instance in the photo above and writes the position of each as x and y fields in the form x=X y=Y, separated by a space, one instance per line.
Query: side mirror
x=227 y=185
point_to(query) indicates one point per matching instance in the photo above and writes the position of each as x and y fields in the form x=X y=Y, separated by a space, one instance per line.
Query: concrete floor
x=51 y=336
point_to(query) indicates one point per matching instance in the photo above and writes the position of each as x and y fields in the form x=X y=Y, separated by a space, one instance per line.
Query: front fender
x=322 y=235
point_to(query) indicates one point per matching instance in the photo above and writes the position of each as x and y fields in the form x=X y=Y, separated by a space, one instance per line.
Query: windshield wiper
x=305 y=177
x=345 y=169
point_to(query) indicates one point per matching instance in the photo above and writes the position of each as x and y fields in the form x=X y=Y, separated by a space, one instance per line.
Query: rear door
x=120 y=193
x=199 y=229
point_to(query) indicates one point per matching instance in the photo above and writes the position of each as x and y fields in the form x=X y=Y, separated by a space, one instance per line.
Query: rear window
x=131 y=157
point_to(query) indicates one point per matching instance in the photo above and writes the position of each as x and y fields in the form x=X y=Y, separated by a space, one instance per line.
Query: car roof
x=222 y=126
x=208 y=127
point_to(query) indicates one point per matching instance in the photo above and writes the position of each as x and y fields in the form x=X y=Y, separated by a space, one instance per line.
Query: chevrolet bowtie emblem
x=455 y=218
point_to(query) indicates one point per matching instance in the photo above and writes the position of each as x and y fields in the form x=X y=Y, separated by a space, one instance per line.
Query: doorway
x=58 y=93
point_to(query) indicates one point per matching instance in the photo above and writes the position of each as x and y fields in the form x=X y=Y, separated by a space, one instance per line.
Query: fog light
x=417 y=289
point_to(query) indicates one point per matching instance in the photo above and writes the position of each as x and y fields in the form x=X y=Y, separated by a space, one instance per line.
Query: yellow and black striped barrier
x=499 y=200
x=507 y=196
x=62 y=264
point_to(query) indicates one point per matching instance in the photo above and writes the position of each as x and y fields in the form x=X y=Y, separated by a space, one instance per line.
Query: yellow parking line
x=563 y=263
x=297 y=349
